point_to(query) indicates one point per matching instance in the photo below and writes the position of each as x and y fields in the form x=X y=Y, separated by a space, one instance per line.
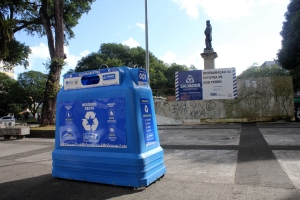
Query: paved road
x=218 y=161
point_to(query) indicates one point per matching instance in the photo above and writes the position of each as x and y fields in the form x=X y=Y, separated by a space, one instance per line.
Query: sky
x=243 y=31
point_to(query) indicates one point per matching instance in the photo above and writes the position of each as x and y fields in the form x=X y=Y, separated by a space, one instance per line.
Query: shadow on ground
x=47 y=187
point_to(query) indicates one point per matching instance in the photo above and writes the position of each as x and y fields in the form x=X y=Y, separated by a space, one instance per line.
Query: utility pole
x=146 y=35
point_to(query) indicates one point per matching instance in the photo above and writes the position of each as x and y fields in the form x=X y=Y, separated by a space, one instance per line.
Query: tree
x=95 y=61
x=112 y=55
x=17 y=54
x=192 y=67
x=170 y=73
x=31 y=87
x=6 y=34
x=162 y=76
x=116 y=51
x=256 y=71
x=6 y=104
x=55 y=20
x=287 y=55
x=12 y=52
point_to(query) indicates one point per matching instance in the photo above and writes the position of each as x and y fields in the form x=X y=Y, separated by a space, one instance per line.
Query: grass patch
x=29 y=121
x=43 y=128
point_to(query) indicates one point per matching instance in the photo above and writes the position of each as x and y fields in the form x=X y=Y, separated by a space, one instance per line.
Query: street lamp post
x=146 y=35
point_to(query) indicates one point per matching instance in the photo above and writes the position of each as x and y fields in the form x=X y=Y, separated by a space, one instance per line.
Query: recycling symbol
x=146 y=108
x=88 y=117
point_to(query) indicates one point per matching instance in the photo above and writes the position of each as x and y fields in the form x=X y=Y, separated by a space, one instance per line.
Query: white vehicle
x=7 y=121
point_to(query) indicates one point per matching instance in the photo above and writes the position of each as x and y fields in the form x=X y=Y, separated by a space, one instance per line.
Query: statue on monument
x=209 y=55
x=208 y=34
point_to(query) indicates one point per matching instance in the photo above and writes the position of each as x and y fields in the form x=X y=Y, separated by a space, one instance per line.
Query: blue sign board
x=95 y=123
x=206 y=84
x=109 y=77
x=147 y=121
x=142 y=78
x=189 y=85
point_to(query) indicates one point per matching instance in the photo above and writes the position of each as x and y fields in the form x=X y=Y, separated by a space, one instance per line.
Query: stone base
x=209 y=57
x=18 y=132
x=211 y=50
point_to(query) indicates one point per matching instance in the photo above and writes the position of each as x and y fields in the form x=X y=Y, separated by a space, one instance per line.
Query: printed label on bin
x=147 y=120
x=142 y=78
x=94 y=123
x=107 y=78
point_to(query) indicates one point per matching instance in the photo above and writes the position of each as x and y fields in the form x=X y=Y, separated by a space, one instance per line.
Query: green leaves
x=6 y=34
x=255 y=71
x=18 y=54
x=162 y=75
x=6 y=85
x=31 y=86
x=290 y=33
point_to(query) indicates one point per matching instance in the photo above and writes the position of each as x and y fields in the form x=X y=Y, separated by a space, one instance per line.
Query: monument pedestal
x=209 y=57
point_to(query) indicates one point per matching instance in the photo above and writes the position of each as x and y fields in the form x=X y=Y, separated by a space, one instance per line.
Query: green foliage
x=54 y=19
x=192 y=67
x=255 y=71
x=6 y=34
x=31 y=86
x=55 y=62
x=290 y=33
x=112 y=55
x=18 y=54
x=26 y=14
x=162 y=75
x=95 y=61
x=7 y=105
x=170 y=73
x=12 y=52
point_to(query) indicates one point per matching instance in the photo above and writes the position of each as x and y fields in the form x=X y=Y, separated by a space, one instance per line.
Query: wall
x=259 y=99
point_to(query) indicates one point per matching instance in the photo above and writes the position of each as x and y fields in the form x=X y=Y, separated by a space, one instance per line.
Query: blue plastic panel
x=147 y=120
x=93 y=123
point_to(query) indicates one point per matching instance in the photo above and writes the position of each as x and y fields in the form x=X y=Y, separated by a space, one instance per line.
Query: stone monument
x=208 y=54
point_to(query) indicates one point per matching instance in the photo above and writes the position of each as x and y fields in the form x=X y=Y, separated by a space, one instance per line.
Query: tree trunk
x=49 y=103
x=56 y=49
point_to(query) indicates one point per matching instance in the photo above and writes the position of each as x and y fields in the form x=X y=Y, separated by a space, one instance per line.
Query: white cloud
x=40 y=51
x=84 y=53
x=230 y=55
x=266 y=2
x=40 y=55
x=191 y=7
x=72 y=59
x=142 y=26
x=131 y=43
x=221 y=9
x=193 y=59
x=169 y=57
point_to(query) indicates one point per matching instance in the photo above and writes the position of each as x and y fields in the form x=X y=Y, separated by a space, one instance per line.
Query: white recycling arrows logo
x=85 y=123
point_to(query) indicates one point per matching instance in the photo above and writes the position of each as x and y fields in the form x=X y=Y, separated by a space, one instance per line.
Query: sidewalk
x=217 y=161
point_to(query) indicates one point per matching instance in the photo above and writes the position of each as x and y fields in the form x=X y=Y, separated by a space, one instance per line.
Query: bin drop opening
x=90 y=79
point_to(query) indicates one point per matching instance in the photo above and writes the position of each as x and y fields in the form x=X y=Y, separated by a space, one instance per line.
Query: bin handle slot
x=90 y=79
x=103 y=65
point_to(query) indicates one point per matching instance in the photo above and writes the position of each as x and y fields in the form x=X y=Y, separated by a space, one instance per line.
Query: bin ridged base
x=122 y=169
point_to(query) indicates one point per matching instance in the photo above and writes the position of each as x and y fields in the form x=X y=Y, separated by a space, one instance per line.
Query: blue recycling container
x=106 y=129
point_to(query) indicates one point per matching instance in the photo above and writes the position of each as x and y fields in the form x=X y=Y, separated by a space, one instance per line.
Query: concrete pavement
x=217 y=161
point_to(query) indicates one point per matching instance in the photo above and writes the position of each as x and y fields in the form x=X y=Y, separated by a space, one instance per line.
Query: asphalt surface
x=216 y=161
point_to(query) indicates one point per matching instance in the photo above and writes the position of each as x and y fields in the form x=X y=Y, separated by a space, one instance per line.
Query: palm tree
x=6 y=35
